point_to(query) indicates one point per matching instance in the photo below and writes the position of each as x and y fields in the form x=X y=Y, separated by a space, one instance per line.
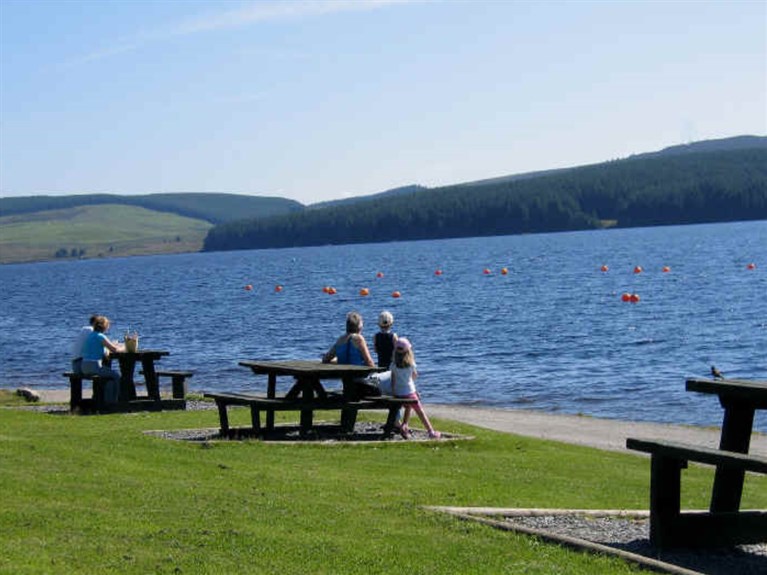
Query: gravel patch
x=631 y=534
x=320 y=432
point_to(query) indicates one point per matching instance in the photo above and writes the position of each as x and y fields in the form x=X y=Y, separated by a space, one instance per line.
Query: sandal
x=434 y=435
x=404 y=431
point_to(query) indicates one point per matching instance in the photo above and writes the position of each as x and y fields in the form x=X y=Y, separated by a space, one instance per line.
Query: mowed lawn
x=100 y=231
x=94 y=494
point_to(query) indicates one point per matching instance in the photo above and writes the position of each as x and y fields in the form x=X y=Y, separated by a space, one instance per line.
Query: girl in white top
x=403 y=376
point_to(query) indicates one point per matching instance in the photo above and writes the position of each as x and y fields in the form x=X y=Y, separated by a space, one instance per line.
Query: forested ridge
x=647 y=190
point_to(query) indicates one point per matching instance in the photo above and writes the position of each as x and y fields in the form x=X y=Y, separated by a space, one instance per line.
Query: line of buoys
x=630 y=297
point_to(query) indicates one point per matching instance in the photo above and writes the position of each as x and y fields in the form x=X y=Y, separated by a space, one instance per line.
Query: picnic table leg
x=306 y=386
x=75 y=392
x=271 y=392
x=127 y=390
x=736 y=436
x=151 y=379
x=349 y=414
x=223 y=417
x=255 y=419
x=665 y=498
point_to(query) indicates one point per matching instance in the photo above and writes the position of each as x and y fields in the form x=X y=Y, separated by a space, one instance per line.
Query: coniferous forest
x=650 y=190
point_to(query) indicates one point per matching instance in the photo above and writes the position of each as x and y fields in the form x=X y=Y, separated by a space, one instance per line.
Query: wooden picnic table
x=740 y=400
x=128 y=399
x=308 y=376
x=725 y=523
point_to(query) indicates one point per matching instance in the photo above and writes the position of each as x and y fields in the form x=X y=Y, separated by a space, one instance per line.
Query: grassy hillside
x=104 y=230
x=212 y=207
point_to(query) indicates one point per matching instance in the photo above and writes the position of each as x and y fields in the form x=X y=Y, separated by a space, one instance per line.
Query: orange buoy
x=605 y=268
x=364 y=292
x=666 y=269
x=438 y=273
x=634 y=298
x=626 y=297
x=379 y=275
x=332 y=291
x=249 y=287
x=504 y=271
x=396 y=294
x=638 y=270
x=325 y=289
x=278 y=288
x=486 y=271
x=751 y=266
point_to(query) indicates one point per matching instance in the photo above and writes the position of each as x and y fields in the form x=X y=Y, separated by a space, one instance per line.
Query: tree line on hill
x=702 y=187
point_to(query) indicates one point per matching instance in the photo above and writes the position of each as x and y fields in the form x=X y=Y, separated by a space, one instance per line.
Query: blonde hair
x=404 y=358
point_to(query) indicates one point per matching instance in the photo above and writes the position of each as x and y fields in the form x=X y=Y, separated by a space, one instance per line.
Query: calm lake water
x=552 y=334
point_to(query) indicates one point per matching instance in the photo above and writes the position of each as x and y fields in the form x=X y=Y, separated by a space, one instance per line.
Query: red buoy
x=438 y=273
x=634 y=298
x=249 y=287
x=278 y=288
x=666 y=269
x=396 y=294
x=486 y=271
x=605 y=268
x=379 y=275
x=626 y=297
x=331 y=291
x=751 y=266
x=364 y=292
x=638 y=270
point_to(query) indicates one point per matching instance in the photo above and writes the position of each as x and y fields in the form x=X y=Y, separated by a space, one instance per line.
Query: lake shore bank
x=600 y=433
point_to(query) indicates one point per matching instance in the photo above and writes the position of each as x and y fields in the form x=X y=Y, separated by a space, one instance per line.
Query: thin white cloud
x=255 y=13
x=280 y=10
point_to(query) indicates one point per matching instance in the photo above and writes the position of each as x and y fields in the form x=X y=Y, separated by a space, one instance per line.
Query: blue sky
x=318 y=100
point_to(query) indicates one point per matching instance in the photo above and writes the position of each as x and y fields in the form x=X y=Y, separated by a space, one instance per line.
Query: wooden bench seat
x=76 y=401
x=178 y=381
x=669 y=526
x=332 y=402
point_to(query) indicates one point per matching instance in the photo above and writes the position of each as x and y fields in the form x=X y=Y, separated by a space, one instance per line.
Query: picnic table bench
x=724 y=523
x=306 y=395
x=331 y=402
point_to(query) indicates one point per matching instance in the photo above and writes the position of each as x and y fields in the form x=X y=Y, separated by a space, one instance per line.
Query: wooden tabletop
x=753 y=392
x=303 y=367
x=140 y=353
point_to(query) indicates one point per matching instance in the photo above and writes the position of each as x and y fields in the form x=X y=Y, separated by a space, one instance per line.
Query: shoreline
x=599 y=433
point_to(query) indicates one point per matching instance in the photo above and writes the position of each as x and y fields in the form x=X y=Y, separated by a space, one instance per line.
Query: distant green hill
x=213 y=208
x=104 y=230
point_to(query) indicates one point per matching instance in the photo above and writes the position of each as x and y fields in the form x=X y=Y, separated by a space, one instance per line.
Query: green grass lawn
x=95 y=495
